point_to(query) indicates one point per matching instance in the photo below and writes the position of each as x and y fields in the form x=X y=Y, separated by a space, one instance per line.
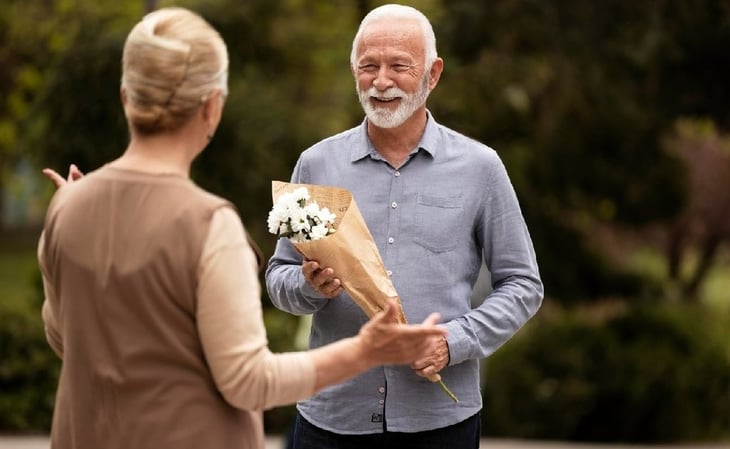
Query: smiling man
x=438 y=204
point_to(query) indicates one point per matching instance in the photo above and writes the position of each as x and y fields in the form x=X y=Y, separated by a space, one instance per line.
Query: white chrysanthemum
x=300 y=193
x=319 y=231
x=277 y=216
x=312 y=209
x=326 y=216
x=299 y=220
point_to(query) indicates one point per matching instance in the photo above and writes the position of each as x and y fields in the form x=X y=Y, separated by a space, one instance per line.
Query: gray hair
x=392 y=11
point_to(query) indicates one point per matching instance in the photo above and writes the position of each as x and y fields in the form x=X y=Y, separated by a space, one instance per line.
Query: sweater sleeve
x=231 y=326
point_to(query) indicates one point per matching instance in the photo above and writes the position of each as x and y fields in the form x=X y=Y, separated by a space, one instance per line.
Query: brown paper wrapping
x=350 y=251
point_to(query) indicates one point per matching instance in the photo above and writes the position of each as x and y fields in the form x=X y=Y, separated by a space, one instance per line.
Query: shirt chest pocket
x=438 y=222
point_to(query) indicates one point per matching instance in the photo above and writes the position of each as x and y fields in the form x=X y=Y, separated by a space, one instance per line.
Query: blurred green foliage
x=647 y=373
x=28 y=367
x=28 y=372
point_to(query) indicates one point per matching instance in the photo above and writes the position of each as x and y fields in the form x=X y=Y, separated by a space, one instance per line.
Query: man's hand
x=437 y=359
x=323 y=280
x=74 y=174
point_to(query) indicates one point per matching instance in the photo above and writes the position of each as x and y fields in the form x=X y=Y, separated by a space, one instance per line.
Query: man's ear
x=436 y=69
x=123 y=95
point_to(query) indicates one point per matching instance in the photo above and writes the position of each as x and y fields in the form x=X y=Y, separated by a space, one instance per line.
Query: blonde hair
x=173 y=60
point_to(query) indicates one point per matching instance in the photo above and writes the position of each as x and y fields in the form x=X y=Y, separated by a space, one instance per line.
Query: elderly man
x=438 y=204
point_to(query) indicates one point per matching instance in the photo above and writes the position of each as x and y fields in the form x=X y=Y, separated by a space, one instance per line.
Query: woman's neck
x=161 y=153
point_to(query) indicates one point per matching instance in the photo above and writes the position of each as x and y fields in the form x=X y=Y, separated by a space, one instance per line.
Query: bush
x=645 y=374
x=28 y=370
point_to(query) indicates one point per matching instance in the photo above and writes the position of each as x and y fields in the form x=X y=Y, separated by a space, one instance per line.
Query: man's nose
x=383 y=80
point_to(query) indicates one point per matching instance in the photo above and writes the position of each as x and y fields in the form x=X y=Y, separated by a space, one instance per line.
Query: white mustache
x=388 y=94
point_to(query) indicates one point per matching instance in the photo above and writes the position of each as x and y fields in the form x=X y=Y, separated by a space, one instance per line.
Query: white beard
x=382 y=117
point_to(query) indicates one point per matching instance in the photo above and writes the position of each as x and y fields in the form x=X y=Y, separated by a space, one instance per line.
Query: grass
x=18 y=271
x=717 y=287
x=18 y=268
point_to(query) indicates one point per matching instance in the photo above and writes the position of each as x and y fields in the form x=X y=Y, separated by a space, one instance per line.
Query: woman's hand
x=386 y=341
x=381 y=341
x=74 y=174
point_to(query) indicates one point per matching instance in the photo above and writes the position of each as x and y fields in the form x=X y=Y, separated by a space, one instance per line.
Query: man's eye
x=401 y=67
x=369 y=68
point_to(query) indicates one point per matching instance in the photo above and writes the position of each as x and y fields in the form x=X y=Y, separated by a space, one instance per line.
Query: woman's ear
x=213 y=108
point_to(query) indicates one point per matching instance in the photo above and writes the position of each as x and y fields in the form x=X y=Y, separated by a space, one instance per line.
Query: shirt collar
x=428 y=143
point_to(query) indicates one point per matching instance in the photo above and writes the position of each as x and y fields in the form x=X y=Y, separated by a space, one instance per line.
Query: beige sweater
x=153 y=302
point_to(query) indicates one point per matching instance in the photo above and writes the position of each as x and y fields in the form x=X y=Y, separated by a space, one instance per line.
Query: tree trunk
x=706 y=259
x=675 y=248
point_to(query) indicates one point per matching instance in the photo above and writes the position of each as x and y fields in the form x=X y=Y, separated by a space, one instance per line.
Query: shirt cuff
x=457 y=341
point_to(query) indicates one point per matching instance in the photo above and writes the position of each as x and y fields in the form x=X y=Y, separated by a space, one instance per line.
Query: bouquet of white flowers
x=299 y=220
x=341 y=241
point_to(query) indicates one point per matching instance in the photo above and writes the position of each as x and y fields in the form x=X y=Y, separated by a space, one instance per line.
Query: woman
x=152 y=293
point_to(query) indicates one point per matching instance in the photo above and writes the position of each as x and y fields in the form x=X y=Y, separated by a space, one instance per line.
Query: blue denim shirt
x=434 y=219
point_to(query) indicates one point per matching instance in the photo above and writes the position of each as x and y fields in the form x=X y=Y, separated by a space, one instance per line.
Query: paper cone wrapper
x=351 y=251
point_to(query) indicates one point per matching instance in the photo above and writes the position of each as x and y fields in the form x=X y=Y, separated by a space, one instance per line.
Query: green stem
x=447 y=391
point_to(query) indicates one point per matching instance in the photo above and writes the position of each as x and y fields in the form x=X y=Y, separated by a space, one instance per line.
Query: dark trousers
x=463 y=435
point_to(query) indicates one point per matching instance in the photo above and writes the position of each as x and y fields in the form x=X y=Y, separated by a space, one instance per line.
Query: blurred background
x=613 y=119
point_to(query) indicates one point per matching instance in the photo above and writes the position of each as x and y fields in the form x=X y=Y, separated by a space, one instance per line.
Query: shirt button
x=390 y=273
x=381 y=389
x=397 y=173
x=381 y=402
x=393 y=204
x=391 y=240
